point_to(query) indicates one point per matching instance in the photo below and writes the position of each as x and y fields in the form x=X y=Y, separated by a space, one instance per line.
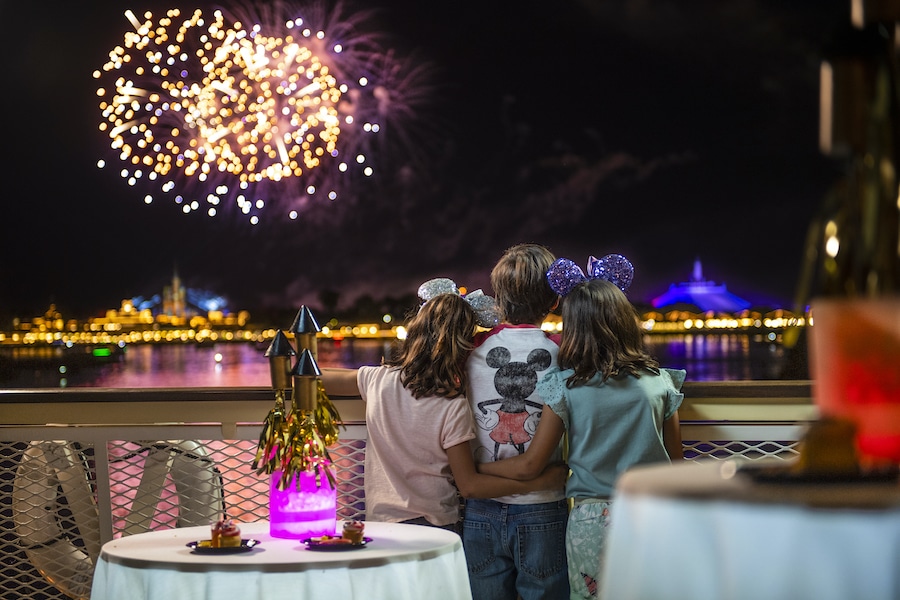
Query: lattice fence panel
x=749 y=450
x=211 y=477
x=50 y=530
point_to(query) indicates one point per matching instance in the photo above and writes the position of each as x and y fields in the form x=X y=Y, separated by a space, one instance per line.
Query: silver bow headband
x=486 y=312
x=563 y=275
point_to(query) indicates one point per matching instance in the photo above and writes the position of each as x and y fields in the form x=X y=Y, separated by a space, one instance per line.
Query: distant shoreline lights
x=220 y=329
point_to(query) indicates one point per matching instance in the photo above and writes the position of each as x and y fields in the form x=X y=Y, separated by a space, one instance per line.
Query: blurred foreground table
x=403 y=562
x=716 y=530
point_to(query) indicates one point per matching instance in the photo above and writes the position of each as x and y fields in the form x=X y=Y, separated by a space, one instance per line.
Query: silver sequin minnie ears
x=563 y=275
x=486 y=312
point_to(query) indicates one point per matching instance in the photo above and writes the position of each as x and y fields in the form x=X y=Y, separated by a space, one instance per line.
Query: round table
x=731 y=530
x=400 y=562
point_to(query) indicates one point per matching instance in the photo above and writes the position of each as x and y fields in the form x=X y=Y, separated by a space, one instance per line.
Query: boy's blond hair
x=519 y=280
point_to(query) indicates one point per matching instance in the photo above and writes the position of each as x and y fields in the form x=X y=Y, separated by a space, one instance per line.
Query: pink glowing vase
x=300 y=512
x=855 y=364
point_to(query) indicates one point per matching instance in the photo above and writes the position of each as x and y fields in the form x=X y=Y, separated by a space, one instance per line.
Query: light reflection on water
x=734 y=357
x=705 y=357
x=190 y=365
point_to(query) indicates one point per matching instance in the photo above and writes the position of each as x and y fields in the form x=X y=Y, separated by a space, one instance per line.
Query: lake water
x=705 y=357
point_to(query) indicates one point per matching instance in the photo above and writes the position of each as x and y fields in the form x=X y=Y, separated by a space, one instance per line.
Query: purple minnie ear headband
x=563 y=275
x=486 y=312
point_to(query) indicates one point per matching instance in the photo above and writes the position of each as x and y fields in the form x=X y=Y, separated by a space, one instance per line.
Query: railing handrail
x=744 y=401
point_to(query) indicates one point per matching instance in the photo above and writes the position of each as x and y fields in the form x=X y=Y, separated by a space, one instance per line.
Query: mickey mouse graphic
x=514 y=381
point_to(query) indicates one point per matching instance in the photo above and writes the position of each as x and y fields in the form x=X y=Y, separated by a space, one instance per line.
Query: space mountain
x=705 y=295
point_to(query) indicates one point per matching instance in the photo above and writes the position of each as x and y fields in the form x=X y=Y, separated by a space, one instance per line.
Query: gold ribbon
x=299 y=441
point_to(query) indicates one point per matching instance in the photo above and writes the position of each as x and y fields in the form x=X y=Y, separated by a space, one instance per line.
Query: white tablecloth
x=709 y=532
x=402 y=562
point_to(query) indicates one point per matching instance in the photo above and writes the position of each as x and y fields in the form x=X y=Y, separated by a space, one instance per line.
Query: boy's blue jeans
x=516 y=549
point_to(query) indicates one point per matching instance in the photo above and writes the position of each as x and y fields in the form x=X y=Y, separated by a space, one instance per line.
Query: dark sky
x=660 y=129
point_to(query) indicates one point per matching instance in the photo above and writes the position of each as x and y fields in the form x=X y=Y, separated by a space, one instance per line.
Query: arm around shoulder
x=340 y=382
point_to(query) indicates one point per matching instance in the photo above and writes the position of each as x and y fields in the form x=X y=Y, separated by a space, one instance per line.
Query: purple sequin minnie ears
x=563 y=275
x=486 y=312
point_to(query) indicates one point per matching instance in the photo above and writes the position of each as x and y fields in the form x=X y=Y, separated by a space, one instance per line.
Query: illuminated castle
x=705 y=295
x=173 y=301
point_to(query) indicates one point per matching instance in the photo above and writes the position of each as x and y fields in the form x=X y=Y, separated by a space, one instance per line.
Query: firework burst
x=250 y=107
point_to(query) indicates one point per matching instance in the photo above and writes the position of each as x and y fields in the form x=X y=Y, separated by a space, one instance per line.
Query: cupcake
x=226 y=534
x=353 y=531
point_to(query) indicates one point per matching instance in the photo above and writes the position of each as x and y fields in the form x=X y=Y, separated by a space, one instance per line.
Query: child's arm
x=544 y=443
x=340 y=382
x=672 y=437
x=473 y=484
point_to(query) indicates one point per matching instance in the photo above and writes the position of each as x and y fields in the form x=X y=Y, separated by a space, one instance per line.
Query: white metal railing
x=79 y=467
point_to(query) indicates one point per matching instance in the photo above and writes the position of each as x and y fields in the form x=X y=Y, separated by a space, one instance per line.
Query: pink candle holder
x=304 y=511
x=855 y=365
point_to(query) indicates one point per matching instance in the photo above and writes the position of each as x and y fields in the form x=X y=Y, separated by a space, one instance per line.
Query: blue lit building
x=705 y=295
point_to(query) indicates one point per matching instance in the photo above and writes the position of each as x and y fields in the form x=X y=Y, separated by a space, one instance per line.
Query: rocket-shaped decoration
x=305 y=375
x=305 y=329
x=279 y=354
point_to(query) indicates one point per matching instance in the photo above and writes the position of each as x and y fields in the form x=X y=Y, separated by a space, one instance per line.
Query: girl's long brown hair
x=601 y=334
x=432 y=359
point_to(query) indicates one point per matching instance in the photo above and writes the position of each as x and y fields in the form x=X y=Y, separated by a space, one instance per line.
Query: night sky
x=659 y=129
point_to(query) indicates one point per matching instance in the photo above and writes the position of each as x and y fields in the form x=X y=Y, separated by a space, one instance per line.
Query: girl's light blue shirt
x=612 y=425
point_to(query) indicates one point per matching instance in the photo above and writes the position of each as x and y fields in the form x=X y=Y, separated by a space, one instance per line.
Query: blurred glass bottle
x=853 y=248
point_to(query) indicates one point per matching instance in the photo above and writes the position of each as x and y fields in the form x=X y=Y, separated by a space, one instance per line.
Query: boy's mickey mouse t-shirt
x=503 y=372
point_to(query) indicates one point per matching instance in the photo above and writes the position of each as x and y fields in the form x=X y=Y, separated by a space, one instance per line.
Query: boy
x=514 y=545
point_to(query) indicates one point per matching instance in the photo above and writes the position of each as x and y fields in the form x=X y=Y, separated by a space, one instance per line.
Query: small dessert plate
x=332 y=545
x=205 y=547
